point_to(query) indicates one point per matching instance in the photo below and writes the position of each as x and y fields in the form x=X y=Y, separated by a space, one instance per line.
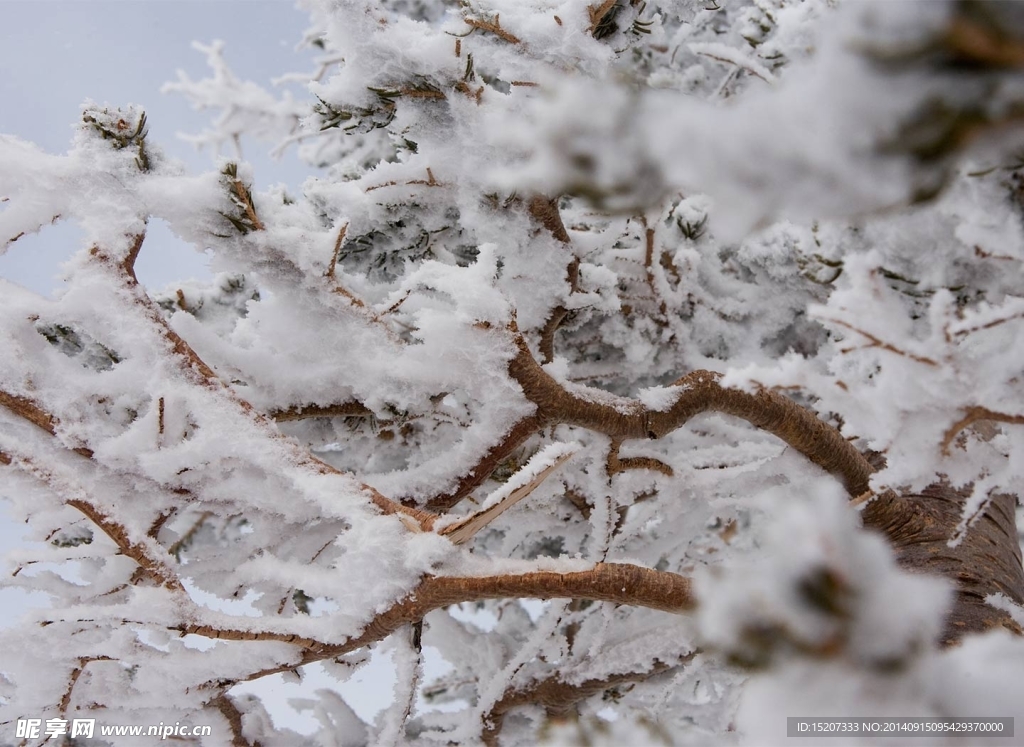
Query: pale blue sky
x=57 y=53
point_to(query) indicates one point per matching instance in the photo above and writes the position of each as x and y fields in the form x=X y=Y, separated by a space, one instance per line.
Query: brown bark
x=33 y=413
x=482 y=470
x=157 y=570
x=987 y=560
x=558 y=315
x=545 y=211
x=340 y=410
x=700 y=392
x=605 y=582
x=233 y=716
x=25 y=408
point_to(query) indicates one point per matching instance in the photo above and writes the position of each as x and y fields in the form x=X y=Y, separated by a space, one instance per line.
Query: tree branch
x=558 y=315
x=699 y=392
x=196 y=369
x=234 y=718
x=136 y=552
x=493 y=28
x=973 y=415
x=342 y=409
x=33 y=413
x=545 y=211
x=559 y=698
x=616 y=464
x=649 y=269
x=987 y=560
x=115 y=531
x=133 y=254
x=227 y=634
x=605 y=582
x=83 y=661
x=464 y=530
x=478 y=474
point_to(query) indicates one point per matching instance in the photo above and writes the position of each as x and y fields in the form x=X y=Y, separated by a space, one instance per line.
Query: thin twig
x=973 y=415
x=159 y=571
x=17 y=236
x=465 y=530
x=616 y=464
x=65 y=701
x=229 y=710
x=337 y=250
x=188 y=536
x=989 y=325
x=493 y=28
x=877 y=343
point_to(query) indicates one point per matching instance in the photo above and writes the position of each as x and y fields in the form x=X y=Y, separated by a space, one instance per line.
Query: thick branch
x=605 y=582
x=699 y=392
x=987 y=560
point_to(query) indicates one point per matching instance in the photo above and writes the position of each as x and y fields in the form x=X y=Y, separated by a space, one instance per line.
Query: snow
x=660 y=398
x=735 y=198
x=730 y=55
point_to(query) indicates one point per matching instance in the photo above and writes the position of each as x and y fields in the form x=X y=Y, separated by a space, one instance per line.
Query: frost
x=819 y=585
x=1000 y=601
x=660 y=398
x=544 y=460
x=524 y=220
x=732 y=56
